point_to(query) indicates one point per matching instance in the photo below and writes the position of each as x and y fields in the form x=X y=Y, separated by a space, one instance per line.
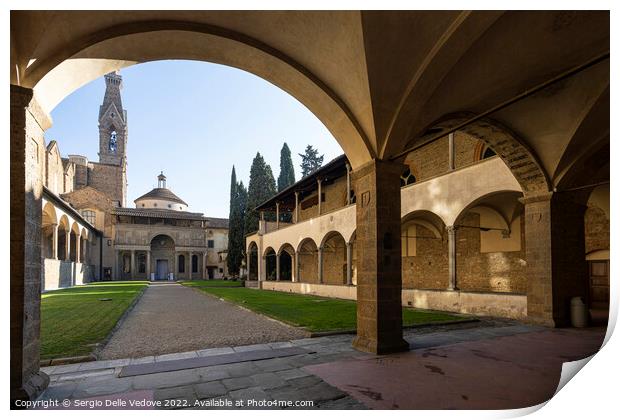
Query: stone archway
x=162 y=257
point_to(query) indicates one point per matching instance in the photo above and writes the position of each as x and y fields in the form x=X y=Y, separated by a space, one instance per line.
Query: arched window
x=112 y=142
x=407 y=178
x=181 y=263
x=90 y=216
x=194 y=263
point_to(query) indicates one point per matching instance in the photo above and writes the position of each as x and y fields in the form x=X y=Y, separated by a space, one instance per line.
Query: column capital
x=452 y=228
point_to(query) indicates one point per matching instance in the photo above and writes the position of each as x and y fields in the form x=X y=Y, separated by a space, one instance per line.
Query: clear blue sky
x=194 y=121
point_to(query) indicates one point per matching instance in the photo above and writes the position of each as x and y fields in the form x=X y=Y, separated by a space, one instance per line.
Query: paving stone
x=304 y=382
x=59 y=391
x=292 y=373
x=273 y=365
x=246 y=394
x=242 y=369
x=268 y=380
x=345 y=403
x=210 y=390
x=74 y=376
x=165 y=380
x=280 y=345
x=141 y=360
x=302 y=360
x=252 y=347
x=177 y=392
x=323 y=391
x=67 y=368
x=238 y=383
x=102 y=387
x=213 y=373
x=215 y=352
x=176 y=356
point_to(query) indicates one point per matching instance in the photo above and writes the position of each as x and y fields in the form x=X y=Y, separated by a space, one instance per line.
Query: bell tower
x=112 y=123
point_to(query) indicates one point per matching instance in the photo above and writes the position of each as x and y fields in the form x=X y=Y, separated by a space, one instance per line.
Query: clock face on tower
x=112 y=142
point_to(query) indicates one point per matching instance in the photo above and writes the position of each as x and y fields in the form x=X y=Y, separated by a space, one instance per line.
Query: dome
x=161 y=197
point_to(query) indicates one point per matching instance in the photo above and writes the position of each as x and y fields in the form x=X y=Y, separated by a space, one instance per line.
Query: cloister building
x=462 y=234
x=88 y=233
x=519 y=234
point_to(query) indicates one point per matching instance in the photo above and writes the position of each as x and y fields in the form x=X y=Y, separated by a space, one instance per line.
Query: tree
x=235 y=227
x=261 y=188
x=287 y=171
x=310 y=160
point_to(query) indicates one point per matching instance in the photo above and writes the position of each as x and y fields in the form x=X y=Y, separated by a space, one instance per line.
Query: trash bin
x=578 y=312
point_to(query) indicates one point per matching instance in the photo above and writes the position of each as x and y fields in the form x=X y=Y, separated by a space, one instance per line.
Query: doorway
x=162 y=270
x=599 y=291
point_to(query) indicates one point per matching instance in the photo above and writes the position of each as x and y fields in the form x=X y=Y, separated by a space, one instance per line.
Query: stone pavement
x=491 y=364
x=171 y=318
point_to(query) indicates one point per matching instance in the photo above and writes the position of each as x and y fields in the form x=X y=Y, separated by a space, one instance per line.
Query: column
x=176 y=265
x=451 y=257
x=348 y=183
x=320 y=263
x=248 y=257
x=296 y=206
x=68 y=245
x=379 y=310
x=555 y=249
x=55 y=241
x=148 y=265
x=27 y=123
x=319 y=182
x=295 y=273
x=451 y=154
x=190 y=265
x=78 y=243
x=132 y=267
x=277 y=215
x=277 y=267
x=349 y=263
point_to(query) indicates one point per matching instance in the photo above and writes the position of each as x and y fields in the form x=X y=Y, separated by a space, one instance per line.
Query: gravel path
x=170 y=318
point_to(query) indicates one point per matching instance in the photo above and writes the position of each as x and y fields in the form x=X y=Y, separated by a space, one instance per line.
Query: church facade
x=89 y=233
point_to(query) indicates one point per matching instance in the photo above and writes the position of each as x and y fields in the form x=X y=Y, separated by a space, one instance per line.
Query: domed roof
x=161 y=194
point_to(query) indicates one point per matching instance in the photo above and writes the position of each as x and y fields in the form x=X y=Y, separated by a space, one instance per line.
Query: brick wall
x=108 y=179
x=596 y=229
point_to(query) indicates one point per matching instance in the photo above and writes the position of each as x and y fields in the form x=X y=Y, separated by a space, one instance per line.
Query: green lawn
x=74 y=319
x=314 y=313
x=213 y=283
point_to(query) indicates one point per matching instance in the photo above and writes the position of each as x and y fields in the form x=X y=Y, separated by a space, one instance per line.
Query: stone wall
x=109 y=179
x=428 y=269
x=597 y=229
x=335 y=198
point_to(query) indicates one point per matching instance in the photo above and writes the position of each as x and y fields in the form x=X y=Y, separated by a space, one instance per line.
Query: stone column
x=348 y=183
x=277 y=215
x=55 y=241
x=27 y=153
x=78 y=245
x=148 y=265
x=296 y=206
x=319 y=258
x=176 y=265
x=555 y=254
x=67 y=245
x=295 y=273
x=451 y=230
x=190 y=265
x=132 y=267
x=319 y=182
x=277 y=267
x=248 y=257
x=349 y=263
x=379 y=309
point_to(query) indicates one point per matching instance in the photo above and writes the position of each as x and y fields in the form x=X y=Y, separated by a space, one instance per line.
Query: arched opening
x=286 y=256
x=424 y=250
x=334 y=259
x=194 y=263
x=74 y=246
x=308 y=261
x=490 y=245
x=162 y=262
x=49 y=226
x=252 y=255
x=270 y=264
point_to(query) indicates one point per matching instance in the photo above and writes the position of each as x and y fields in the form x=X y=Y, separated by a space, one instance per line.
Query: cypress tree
x=261 y=188
x=310 y=160
x=287 y=171
x=235 y=249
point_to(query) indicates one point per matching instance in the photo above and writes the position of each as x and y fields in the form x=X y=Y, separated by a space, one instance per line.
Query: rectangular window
x=210 y=243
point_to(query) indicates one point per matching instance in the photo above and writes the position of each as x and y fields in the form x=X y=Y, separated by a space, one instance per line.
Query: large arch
x=334 y=253
x=162 y=261
x=308 y=261
x=252 y=261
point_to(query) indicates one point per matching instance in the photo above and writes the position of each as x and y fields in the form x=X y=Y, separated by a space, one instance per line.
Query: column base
x=31 y=390
x=368 y=345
